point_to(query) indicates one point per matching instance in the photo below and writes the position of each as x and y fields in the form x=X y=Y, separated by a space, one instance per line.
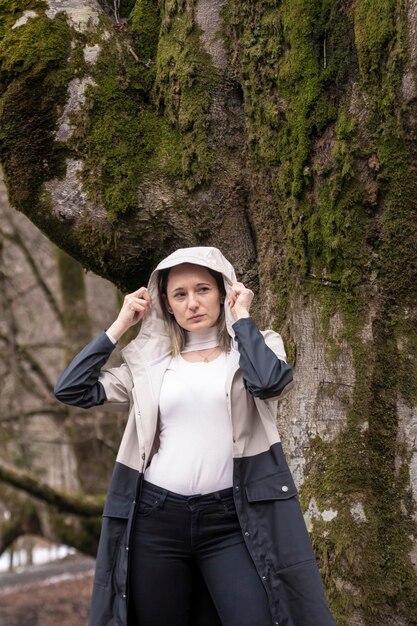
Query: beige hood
x=152 y=341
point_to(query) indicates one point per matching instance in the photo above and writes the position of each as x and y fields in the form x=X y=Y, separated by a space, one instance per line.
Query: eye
x=179 y=295
x=204 y=289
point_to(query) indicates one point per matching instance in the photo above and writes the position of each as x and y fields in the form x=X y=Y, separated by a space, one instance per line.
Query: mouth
x=195 y=318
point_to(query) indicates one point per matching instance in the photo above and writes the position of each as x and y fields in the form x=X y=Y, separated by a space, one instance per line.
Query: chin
x=200 y=325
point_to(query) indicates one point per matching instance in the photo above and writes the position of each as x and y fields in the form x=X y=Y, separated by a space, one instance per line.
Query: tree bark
x=80 y=505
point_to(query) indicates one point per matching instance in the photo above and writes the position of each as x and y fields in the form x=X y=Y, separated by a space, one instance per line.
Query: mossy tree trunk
x=284 y=132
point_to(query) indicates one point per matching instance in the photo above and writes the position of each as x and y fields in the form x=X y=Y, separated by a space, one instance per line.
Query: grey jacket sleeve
x=262 y=360
x=83 y=383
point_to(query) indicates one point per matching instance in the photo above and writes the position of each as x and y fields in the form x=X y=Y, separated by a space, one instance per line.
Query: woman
x=201 y=524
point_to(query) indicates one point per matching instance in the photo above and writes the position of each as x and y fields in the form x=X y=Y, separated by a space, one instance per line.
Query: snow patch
x=39 y=557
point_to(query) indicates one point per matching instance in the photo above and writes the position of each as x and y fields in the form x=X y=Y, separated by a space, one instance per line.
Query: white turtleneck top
x=196 y=441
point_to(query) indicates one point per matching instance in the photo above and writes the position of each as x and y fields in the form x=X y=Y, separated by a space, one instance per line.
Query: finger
x=142 y=292
x=232 y=297
x=139 y=293
x=147 y=297
x=138 y=304
x=234 y=293
x=236 y=287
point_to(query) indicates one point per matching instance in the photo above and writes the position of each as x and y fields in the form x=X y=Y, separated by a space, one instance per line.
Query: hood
x=153 y=341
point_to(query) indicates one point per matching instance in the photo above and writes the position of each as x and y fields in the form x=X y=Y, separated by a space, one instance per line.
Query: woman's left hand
x=240 y=300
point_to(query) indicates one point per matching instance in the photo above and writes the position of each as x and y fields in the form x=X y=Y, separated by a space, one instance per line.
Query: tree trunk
x=285 y=132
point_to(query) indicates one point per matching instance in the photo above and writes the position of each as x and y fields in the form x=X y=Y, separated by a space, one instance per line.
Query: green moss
x=123 y=139
x=397 y=152
x=35 y=46
x=335 y=234
x=34 y=74
x=185 y=78
x=119 y=136
x=407 y=338
x=374 y=32
x=37 y=64
x=343 y=203
x=381 y=43
x=145 y=24
x=292 y=63
x=12 y=10
x=365 y=563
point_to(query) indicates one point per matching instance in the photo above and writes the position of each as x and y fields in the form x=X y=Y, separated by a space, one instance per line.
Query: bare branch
x=35 y=366
x=16 y=238
x=106 y=443
x=47 y=410
x=80 y=504
x=44 y=344
x=25 y=383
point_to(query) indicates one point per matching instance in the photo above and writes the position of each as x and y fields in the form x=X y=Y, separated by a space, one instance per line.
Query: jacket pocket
x=278 y=486
x=274 y=513
x=117 y=505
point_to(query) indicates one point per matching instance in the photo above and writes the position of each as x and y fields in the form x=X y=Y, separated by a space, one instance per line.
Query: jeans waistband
x=200 y=498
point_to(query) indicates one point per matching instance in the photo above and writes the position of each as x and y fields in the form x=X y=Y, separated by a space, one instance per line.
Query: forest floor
x=48 y=595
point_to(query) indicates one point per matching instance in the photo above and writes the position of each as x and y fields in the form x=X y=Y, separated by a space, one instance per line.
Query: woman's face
x=193 y=297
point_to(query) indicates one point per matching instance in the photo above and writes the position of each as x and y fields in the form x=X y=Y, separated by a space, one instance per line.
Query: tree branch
x=47 y=410
x=80 y=505
x=16 y=238
x=25 y=522
x=32 y=362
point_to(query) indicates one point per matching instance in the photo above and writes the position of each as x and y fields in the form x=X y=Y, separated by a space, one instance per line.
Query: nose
x=192 y=302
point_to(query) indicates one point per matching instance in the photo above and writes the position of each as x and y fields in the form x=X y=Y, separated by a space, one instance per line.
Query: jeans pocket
x=148 y=502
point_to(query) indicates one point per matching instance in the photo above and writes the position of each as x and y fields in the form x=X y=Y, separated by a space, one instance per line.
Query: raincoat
x=265 y=495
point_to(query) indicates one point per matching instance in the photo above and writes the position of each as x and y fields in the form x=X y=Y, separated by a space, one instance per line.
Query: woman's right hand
x=135 y=306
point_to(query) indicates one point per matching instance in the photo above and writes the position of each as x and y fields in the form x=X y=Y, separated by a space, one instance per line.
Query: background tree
x=284 y=132
x=49 y=309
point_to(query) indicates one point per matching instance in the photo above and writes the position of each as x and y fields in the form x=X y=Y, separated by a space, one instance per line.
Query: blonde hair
x=178 y=335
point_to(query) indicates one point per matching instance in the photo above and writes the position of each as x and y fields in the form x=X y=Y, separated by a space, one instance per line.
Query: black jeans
x=175 y=533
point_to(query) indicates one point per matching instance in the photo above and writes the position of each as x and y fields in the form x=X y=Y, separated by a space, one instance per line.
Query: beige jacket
x=137 y=383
